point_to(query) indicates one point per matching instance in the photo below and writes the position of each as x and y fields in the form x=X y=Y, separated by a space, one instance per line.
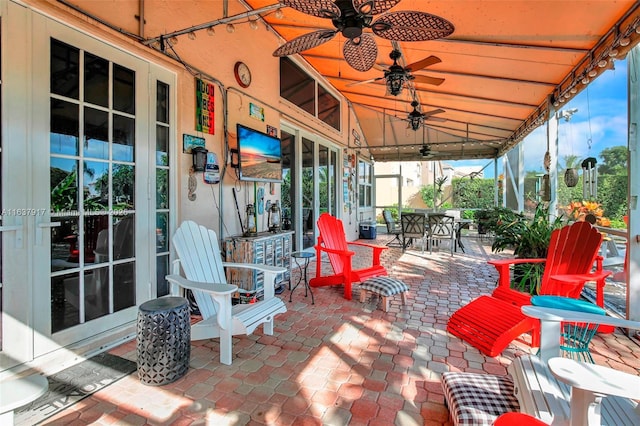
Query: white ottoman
x=384 y=287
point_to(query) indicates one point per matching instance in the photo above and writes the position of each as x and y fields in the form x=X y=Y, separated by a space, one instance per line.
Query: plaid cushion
x=384 y=286
x=478 y=399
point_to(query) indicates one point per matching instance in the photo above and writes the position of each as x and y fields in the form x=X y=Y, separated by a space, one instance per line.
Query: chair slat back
x=199 y=253
x=572 y=250
x=332 y=236
x=441 y=225
x=414 y=225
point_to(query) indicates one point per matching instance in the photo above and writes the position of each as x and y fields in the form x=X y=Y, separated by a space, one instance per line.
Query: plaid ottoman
x=478 y=399
x=385 y=287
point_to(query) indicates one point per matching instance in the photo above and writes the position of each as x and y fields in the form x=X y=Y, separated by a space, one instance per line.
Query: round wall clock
x=242 y=74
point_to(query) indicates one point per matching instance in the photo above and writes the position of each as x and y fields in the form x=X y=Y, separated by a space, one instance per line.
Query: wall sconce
x=199 y=158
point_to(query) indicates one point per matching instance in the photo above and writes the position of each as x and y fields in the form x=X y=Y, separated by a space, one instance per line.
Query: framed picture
x=272 y=131
x=189 y=141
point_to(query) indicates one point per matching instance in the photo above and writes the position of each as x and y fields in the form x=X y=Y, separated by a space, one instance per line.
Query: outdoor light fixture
x=253 y=23
x=274 y=217
x=199 y=158
x=395 y=83
x=251 y=221
x=416 y=118
x=211 y=31
x=192 y=35
x=230 y=28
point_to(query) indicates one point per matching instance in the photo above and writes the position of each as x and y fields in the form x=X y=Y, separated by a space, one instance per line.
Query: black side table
x=163 y=341
x=306 y=257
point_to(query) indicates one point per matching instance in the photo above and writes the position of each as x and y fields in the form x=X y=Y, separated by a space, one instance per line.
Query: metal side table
x=302 y=259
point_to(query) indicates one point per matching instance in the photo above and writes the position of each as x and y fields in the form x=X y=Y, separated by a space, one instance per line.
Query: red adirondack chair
x=490 y=323
x=333 y=241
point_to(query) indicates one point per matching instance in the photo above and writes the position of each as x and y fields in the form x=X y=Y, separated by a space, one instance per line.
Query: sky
x=601 y=118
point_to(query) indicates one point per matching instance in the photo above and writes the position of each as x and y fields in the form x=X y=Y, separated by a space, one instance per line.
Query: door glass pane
x=64 y=185
x=333 y=175
x=96 y=80
x=65 y=75
x=96 y=293
x=287 y=189
x=123 y=187
x=65 y=301
x=162 y=232
x=96 y=133
x=64 y=244
x=96 y=239
x=96 y=185
x=124 y=286
x=124 y=89
x=162 y=270
x=123 y=237
x=123 y=138
x=162 y=145
x=65 y=127
x=162 y=105
x=323 y=178
x=162 y=189
x=308 y=173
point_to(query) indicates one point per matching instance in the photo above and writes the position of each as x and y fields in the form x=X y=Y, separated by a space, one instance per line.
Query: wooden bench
x=15 y=393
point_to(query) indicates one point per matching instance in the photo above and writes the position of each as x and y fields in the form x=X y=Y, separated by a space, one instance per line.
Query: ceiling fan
x=426 y=152
x=351 y=17
x=416 y=118
x=396 y=75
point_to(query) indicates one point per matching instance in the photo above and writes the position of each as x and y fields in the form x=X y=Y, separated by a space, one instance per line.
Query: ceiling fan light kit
x=351 y=17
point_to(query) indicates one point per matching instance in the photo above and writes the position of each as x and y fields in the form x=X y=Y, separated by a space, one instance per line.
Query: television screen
x=260 y=156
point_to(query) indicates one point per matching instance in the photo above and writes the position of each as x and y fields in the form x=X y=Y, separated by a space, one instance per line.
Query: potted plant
x=529 y=239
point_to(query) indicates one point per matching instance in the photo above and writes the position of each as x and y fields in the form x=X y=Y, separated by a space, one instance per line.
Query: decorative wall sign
x=272 y=131
x=189 y=142
x=256 y=111
x=205 y=107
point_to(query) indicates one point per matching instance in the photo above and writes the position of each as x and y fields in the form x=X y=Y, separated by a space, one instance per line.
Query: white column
x=633 y=249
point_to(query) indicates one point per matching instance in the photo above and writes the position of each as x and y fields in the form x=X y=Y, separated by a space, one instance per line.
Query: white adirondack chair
x=199 y=257
x=562 y=391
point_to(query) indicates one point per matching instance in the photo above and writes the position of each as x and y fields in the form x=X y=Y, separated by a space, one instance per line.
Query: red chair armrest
x=502 y=265
x=377 y=250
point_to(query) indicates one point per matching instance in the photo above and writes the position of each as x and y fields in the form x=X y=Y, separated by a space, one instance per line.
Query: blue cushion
x=567 y=303
x=384 y=286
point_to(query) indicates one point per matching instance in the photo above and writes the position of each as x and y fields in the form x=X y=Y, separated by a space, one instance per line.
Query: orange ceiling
x=502 y=64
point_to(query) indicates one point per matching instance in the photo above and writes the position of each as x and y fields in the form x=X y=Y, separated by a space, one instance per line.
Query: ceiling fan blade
x=379 y=6
x=439 y=119
x=304 y=42
x=361 y=53
x=436 y=81
x=411 y=26
x=426 y=62
x=372 y=80
x=320 y=8
x=433 y=112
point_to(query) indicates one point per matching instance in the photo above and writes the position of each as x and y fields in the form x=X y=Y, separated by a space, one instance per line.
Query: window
x=301 y=90
x=365 y=184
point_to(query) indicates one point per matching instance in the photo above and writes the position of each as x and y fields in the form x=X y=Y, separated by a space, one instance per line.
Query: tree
x=614 y=160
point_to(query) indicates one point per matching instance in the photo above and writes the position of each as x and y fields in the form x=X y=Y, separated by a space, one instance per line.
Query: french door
x=97 y=232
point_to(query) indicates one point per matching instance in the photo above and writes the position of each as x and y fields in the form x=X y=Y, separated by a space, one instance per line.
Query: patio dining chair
x=441 y=227
x=393 y=228
x=414 y=226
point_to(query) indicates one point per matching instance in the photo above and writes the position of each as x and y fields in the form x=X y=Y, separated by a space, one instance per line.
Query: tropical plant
x=529 y=239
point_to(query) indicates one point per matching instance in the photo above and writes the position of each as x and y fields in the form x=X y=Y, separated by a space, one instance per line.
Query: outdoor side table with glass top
x=302 y=259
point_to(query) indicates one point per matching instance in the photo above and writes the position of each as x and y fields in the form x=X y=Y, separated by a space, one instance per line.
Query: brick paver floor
x=337 y=362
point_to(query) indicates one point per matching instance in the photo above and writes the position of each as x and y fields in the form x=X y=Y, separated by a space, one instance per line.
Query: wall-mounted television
x=260 y=155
